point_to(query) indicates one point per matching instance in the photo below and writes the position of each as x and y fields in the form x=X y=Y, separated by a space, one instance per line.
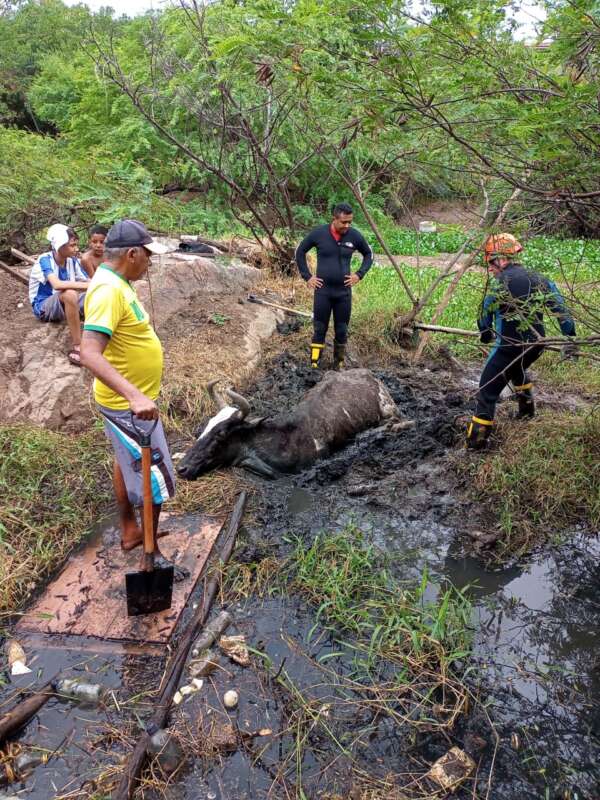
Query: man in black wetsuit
x=336 y=243
x=512 y=315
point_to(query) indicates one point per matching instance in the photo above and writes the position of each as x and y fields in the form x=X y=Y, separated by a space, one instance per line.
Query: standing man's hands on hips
x=351 y=280
x=314 y=282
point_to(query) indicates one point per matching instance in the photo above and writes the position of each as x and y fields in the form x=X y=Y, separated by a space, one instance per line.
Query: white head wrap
x=57 y=235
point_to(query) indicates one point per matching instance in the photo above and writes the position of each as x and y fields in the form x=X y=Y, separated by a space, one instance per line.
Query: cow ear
x=254 y=422
x=256 y=465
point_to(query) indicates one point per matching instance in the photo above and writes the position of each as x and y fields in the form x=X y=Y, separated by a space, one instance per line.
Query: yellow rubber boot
x=525 y=400
x=339 y=353
x=478 y=433
x=316 y=351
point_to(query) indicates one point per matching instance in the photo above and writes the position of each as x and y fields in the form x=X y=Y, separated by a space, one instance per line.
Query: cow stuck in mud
x=330 y=414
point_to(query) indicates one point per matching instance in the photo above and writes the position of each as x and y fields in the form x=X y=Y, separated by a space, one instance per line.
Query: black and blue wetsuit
x=513 y=314
x=333 y=265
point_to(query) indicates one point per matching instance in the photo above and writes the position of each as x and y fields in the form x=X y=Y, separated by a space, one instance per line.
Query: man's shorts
x=120 y=432
x=52 y=310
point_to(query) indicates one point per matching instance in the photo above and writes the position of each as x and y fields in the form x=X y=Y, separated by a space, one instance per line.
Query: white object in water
x=75 y=689
x=19 y=668
x=16 y=658
x=427 y=226
x=230 y=699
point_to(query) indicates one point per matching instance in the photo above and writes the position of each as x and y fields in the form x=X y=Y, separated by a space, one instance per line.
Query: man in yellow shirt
x=122 y=351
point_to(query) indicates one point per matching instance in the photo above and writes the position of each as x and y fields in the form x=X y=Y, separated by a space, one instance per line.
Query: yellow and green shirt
x=112 y=307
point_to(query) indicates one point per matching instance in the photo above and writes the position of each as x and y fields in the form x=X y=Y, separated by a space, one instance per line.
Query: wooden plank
x=34 y=642
x=88 y=597
x=18 y=276
x=23 y=256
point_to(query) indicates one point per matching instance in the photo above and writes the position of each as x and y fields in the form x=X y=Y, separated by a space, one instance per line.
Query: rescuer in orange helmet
x=512 y=318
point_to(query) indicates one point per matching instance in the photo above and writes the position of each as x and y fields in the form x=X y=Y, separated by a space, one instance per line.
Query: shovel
x=151 y=589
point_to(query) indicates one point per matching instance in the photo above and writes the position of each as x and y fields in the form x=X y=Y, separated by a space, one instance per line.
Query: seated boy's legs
x=65 y=306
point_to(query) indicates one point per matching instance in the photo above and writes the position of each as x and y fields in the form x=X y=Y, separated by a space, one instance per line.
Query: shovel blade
x=149 y=592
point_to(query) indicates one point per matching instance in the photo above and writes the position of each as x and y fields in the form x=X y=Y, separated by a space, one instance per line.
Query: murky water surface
x=536 y=668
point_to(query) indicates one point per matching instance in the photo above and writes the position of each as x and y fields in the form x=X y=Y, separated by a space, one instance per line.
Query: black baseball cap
x=132 y=233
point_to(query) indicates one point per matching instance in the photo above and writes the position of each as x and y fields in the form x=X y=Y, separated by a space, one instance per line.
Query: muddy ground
x=532 y=725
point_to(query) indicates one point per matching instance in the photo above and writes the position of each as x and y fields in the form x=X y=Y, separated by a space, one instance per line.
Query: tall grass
x=543 y=479
x=52 y=489
x=358 y=597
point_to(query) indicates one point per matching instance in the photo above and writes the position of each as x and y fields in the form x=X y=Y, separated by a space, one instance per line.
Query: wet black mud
x=533 y=725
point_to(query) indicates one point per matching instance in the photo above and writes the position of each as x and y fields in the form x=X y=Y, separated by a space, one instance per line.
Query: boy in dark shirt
x=92 y=258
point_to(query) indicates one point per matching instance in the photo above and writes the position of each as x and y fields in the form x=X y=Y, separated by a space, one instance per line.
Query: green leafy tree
x=31 y=32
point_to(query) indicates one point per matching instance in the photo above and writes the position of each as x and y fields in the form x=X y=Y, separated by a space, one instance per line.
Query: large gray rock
x=37 y=382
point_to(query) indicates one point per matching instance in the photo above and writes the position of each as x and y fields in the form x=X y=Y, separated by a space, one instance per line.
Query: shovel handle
x=147 y=511
x=148 y=516
x=143 y=436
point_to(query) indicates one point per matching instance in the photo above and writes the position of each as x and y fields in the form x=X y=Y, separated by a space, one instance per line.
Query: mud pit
x=532 y=723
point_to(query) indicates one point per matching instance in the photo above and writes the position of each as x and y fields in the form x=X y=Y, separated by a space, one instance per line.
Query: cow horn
x=239 y=401
x=214 y=395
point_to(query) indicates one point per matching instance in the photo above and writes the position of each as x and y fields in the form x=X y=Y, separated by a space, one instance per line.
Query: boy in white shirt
x=57 y=285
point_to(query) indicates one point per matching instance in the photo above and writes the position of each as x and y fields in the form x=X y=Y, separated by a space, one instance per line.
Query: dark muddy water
x=535 y=670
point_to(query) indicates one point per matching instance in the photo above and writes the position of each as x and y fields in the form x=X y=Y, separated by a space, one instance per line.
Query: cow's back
x=342 y=405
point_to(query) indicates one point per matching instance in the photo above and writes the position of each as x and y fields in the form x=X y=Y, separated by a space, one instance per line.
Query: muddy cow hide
x=329 y=415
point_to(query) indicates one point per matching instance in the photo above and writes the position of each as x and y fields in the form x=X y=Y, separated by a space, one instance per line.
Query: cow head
x=216 y=446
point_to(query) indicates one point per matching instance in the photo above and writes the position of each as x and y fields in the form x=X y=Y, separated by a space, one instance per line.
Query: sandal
x=75 y=357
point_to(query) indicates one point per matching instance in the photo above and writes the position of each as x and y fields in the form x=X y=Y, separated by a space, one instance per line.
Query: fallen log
x=545 y=340
x=23 y=256
x=14 y=273
x=223 y=247
x=23 y=711
x=440 y=329
x=252 y=298
x=177 y=662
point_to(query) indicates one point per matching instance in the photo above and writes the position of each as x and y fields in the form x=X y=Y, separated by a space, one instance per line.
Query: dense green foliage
x=355 y=589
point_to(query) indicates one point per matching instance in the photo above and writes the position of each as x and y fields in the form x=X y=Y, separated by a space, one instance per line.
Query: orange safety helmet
x=501 y=244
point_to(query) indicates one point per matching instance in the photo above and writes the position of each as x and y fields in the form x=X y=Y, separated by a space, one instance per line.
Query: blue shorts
x=128 y=453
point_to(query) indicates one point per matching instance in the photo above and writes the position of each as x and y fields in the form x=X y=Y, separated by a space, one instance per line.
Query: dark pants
x=328 y=299
x=506 y=363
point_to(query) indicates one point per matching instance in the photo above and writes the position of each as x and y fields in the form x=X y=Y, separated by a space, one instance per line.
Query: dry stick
x=21 y=713
x=14 y=273
x=175 y=667
x=439 y=329
x=252 y=298
x=23 y=256
x=423 y=338
x=441 y=307
x=544 y=340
